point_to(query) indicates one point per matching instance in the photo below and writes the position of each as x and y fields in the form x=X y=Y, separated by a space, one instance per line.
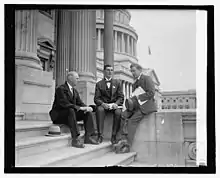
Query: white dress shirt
x=108 y=83
x=70 y=87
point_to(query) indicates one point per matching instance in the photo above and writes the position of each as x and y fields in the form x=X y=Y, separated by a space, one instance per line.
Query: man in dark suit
x=146 y=103
x=68 y=108
x=108 y=97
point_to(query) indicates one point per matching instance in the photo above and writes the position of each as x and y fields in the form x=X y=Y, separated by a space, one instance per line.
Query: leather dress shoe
x=113 y=139
x=90 y=140
x=76 y=143
x=100 y=139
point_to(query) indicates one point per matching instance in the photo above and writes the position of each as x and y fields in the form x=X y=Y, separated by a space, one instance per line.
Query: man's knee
x=71 y=111
x=100 y=109
x=118 y=113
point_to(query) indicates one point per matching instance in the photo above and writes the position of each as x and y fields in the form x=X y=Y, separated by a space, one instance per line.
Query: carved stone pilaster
x=26 y=39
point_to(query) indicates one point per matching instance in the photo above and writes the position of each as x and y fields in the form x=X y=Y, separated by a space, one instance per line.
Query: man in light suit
x=68 y=108
x=108 y=97
x=145 y=106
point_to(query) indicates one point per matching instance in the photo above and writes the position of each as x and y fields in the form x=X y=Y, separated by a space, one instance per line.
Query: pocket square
x=113 y=86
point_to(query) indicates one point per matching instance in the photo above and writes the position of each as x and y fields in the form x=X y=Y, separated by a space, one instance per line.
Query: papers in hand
x=138 y=91
x=110 y=106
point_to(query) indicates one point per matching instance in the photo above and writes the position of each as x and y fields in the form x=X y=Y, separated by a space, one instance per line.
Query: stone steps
x=111 y=159
x=34 y=149
x=29 y=128
x=65 y=156
x=35 y=145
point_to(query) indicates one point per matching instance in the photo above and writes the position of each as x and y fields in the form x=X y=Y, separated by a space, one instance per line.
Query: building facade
x=50 y=43
x=178 y=100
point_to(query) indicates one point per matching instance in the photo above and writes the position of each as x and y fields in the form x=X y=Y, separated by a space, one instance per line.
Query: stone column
x=99 y=39
x=128 y=45
x=116 y=41
x=82 y=43
x=131 y=88
x=108 y=37
x=63 y=43
x=33 y=85
x=123 y=83
x=83 y=51
x=132 y=46
x=123 y=42
x=127 y=90
x=135 y=48
x=26 y=39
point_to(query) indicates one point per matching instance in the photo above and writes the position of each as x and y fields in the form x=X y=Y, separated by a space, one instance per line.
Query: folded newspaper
x=138 y=91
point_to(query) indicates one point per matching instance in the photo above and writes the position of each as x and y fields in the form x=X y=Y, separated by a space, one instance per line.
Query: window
x=187 y=106
x=181 y=106
x=119 y=45
x=43 y=63
x=174 y=101
x=97 y=38
x=102 y=37
x=162 y=101
x=174 y=106
x=168 y=107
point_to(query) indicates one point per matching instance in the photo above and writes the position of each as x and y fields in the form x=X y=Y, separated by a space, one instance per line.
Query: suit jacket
x=148 y=86
x=102 y=96
x=64 y=99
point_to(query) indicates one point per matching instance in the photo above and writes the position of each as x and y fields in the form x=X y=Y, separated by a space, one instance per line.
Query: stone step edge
x=117 y=160
x=32 y=141
x=53 y=159
x=38 y=126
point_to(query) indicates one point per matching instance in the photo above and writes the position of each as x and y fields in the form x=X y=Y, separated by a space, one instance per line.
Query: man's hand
x=83 y=108
x=89 y=109
x=114 y=106
x=105 y=106
x=86 y=109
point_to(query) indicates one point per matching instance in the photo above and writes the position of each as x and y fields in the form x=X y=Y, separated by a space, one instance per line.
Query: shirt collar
x=139 y=76
x=70 y=87
x=108 y=79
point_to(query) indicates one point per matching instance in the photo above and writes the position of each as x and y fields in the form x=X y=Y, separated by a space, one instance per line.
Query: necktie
x=72 y=90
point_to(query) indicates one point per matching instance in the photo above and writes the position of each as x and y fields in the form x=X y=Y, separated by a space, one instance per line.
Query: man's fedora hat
x=131 y=103
x=54 y=131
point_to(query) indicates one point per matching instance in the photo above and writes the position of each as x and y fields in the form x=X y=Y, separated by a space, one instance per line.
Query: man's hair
x=137 y=66
x=107 y=65
x=70 y=73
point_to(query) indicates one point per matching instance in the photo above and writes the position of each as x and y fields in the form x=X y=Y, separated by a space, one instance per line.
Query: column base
x=34 y=90
x=86 y=90
x=28 y=59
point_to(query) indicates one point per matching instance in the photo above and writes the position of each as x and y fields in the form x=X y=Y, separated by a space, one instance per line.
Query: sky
x=171 y=36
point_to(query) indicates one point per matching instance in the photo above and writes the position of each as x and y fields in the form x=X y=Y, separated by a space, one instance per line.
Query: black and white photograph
x=106 y=86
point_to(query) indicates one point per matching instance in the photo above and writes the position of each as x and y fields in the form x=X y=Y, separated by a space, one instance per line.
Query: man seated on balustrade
x=68 y=108
x=140 y=104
